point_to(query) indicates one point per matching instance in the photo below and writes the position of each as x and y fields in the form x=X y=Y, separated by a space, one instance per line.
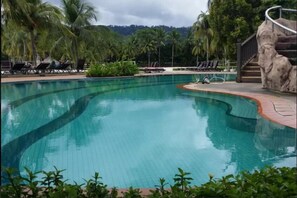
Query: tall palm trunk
x=75 y=53
x=159 y=56
x=149 y=58
x=34 y=52
x=172 y=55
x=197 y=61
x=207 y=51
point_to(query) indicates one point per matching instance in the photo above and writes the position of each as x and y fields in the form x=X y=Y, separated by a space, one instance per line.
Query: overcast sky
x=177 y=13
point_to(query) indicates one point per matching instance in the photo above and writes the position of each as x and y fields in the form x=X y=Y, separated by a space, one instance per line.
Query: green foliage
x=95 y=188
x=132 y=193
x=121 y=68
x=182 y=180
x=268 y=182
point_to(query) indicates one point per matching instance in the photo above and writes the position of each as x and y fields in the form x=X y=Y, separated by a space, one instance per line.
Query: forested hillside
x=129 y=30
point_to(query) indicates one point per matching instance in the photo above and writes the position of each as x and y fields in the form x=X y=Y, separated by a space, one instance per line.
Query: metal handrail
x=267 y=17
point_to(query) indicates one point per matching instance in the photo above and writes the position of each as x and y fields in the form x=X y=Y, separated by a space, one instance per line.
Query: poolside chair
x=63 y=67
x=80 y=65
x=41 y=67
x=5 y=67
x=215 y=64
x=202 y=66
x=17 y=67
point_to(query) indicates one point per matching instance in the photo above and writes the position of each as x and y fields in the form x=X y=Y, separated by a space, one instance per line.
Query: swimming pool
x=135 y=130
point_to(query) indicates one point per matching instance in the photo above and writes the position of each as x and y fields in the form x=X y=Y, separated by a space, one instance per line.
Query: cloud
x=175 y=13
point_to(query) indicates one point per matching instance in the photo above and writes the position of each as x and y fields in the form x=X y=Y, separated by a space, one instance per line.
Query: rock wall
x=277 y=72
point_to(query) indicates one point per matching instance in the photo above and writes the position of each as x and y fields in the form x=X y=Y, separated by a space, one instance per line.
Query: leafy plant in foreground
x=267 y=182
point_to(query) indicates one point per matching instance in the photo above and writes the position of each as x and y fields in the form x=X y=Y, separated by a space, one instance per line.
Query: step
x=248 y=79
x=250 y=73
x=253 y=64
x=251 y=67
x=288 y=53
x=284 y=46
x=290 y=39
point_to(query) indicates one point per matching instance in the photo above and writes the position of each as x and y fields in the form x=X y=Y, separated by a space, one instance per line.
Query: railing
x=246 y=51
x=268 y=18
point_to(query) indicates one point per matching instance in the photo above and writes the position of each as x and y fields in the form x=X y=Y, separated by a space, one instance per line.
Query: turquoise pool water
x=135 y=130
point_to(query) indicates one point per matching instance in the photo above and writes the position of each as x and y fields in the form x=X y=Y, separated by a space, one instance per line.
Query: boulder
x=277 y=73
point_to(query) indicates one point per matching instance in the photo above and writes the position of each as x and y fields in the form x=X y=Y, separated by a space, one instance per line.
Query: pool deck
x=275 y=106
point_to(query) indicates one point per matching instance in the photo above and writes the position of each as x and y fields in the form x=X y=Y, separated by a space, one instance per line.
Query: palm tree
x=160 y=38
x=173 y=37
x=78 y=17
x=15 y=44
x=146 y=42
x=202 y=29
x=129 y=48
x=33 y=16
x=197 y=48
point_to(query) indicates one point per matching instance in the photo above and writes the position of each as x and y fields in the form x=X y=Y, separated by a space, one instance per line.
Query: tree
x=33 y=16
x=78 y=17
x=196 y=51
x=146 y=42
x=230 y=21
x=160 y=38
x=174 y=38
x=203 y=32
x=15 y=44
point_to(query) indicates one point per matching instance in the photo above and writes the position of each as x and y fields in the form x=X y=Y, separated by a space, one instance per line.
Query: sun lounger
x=17 y=67
x=5 y=67
x=63 y=67
x=214 y=65
x=153 y=69
x=80 y=65
x=41 y=67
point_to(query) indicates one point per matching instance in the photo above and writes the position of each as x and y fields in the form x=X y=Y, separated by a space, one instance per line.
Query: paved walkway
x=275 y=106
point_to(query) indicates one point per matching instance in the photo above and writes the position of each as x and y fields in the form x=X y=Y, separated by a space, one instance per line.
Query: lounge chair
x=41 y=67
x=153 y=68
x=214 y=65
x=5 y=67
x=63 y=67
x=80 y=65
x=202 y=65
x=17 y=67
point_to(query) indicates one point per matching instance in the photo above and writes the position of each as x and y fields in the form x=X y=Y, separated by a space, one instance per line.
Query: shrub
x=268 y=182
x=121 y=68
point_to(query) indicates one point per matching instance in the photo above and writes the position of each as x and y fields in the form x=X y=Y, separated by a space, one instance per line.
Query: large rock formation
x=277 y=73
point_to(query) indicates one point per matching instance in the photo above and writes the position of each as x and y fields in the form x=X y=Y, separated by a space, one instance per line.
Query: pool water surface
x=134 y=131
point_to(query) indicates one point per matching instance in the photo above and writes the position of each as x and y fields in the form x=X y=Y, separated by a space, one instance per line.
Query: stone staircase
x=286 y=46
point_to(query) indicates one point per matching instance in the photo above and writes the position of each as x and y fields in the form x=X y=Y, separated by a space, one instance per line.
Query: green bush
x=268 y=182
x=121 y=68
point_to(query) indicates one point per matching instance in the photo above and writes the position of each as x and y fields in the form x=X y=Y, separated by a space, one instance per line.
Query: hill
x=129 y=30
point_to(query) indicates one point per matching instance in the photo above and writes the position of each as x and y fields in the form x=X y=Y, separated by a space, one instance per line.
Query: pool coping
x=271 y=107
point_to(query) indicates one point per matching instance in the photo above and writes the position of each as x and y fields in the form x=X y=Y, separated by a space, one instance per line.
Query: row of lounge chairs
x=152 y=68
x=203 y=66
x=206 y=66
x=41 y=68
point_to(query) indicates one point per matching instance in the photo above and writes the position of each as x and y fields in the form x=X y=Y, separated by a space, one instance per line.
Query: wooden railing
x=246 y=51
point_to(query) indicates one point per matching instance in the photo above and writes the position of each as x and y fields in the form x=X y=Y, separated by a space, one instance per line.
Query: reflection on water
x=252 y=143
x=135 y=130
